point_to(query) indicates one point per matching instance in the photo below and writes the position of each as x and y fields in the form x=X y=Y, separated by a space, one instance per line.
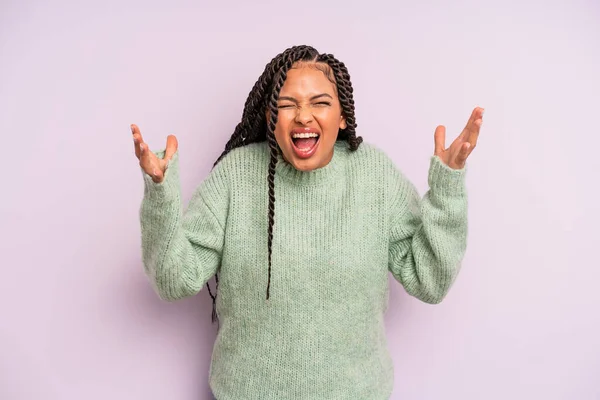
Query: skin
x=150 y=163
x=308 y=99
x=456 y=155
x=298 y=108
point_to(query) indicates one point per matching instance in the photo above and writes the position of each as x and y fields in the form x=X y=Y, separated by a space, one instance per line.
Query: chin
x=303 y=160
x=305 y=165
x=310 y=164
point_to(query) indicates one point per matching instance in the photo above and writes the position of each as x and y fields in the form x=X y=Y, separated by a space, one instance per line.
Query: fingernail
x=131 y=127
x=141 y=148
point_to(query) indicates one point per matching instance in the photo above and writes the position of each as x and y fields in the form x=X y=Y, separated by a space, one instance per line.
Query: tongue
x=305 y=144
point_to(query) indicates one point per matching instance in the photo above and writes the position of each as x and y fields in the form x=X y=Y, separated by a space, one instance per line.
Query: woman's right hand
x=152 y=165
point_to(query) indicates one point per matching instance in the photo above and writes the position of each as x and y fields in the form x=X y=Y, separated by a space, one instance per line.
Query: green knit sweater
x=338 y=231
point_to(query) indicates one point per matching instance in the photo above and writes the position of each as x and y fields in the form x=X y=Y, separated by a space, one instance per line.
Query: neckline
x=318 y=176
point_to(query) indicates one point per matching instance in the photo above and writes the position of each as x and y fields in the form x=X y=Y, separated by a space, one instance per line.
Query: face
x=309 y=117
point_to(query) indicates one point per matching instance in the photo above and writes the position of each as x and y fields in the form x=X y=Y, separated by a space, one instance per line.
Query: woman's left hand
x=456 y=155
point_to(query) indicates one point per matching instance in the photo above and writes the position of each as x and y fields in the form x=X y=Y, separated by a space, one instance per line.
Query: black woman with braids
x=301 y=223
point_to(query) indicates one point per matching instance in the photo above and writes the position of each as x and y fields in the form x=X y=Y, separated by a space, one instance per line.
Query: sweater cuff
x=445 y=180
x=168 y=189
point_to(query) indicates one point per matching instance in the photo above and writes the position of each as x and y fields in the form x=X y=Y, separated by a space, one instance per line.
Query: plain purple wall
x=79 y=320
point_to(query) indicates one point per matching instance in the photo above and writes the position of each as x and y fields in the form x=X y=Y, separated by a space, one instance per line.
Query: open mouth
x=305 y=143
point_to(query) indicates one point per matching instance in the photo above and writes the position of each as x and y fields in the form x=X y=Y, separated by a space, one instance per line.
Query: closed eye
x=323 y=103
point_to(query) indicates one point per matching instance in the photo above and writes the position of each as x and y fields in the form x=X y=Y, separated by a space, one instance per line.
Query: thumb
x=439 y=140
x=171 y=148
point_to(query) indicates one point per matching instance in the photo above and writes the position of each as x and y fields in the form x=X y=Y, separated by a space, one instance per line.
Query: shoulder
x=373 y=158
x=244 y=163
x=243 y=156
x=377 y=168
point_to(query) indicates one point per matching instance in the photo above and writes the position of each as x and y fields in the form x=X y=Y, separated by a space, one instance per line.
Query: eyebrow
x=311 y=99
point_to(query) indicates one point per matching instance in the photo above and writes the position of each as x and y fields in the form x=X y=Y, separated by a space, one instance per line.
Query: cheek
x=284 y=117
x=329 y=119
x=282 y=128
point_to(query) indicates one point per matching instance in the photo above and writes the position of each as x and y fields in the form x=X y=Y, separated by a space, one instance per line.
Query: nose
x=304 y=115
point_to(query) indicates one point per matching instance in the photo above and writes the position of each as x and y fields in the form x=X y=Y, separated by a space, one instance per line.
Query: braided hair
x=254 y=126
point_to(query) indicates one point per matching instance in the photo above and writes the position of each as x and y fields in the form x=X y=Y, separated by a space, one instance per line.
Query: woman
x=302 y=222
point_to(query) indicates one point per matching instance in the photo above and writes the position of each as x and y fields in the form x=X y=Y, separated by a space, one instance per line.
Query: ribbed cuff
x=169 y=188
x=445 y=180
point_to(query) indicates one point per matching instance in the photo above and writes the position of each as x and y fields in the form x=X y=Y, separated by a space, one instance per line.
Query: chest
x=334 y=235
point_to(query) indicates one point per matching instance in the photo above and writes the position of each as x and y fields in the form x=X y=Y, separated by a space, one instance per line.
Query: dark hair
x=255 y=128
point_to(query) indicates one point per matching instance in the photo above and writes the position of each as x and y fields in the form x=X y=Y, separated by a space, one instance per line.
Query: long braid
x=254 y=127
x=247 y=131
x=274 y=150
x=345 y=94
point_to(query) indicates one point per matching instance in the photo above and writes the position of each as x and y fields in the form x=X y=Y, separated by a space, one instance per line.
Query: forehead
x=307 y=80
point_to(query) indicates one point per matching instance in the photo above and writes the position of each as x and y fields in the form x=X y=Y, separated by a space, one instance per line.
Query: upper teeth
x=304 y=135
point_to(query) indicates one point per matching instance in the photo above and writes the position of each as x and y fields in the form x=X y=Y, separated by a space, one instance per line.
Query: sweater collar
x=318 y=176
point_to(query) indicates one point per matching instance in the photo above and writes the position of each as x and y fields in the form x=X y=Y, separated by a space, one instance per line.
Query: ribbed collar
x=318 y=176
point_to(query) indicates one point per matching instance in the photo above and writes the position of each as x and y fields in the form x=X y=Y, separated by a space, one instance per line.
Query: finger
x=171 y=148
x=135 y=130
x=474 y=132
x=144 y=158
x=477 y=113
x=439 y=138
x=149 y=163
x=136 y=145
x=472 y=124
x=137 y=139
x=158 y=175
x=464 y=152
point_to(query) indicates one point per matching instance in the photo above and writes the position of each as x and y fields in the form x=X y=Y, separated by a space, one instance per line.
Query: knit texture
x=338 y=232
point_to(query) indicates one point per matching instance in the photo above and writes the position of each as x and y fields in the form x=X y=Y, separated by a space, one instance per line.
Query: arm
x=428 y=236
x=181 y=251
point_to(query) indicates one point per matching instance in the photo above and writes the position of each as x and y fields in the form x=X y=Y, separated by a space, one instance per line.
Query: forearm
x=175 y=256
x=428 y=260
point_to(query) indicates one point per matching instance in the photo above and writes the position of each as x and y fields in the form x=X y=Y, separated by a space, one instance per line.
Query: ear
x=343 y=124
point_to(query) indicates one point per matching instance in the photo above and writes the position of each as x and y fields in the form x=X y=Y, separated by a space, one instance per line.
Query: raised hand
x=150 y=163
x=456 y=155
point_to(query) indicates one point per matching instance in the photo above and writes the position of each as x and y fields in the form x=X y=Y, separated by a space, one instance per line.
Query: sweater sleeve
x=181 y=250
x=428 y=235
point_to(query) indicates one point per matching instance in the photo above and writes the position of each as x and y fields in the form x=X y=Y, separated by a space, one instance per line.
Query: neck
x=317 y=176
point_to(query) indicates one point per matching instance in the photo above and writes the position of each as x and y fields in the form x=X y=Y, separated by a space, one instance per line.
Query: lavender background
x=79 y=319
